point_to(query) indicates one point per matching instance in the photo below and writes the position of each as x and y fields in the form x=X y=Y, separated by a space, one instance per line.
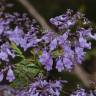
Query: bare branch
x=81 y=74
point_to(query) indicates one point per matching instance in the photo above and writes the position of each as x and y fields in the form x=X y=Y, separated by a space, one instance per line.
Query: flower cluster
x=9 y=76
x=67 y=46
x=42 y=88
x=62 y=50
x=18 y=29
x=83 y=92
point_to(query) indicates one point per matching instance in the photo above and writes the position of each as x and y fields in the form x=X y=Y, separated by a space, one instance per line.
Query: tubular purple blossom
x=10 y=75
x=46 y=60
x=42 y=88
x=1 y=76
x=5 y=51
x=59 y=65
x=83 y=92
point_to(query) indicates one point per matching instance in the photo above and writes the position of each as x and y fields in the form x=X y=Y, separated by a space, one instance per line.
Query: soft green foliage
x=17 y=50
x=25 y=69
x=57 y=53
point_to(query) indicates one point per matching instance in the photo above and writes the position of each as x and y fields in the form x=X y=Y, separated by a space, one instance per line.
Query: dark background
x=52 y=8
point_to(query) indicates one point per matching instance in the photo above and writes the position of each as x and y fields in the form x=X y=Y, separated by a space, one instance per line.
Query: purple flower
x=64 y=21
x=59 y=65
x=3 y=56
x=48 y=37
x=10 y=75
x=25 y=41
x=23 y=44
x=1 y=76
x=71 y=43
x=63 y=38
x=86 y=33
x=68 y=64
x=83 y=92
x=5 y=52
x=92 y=36
x=33 y=42
x=80 y=92
x=46 y=60
x=83 y=43
x=42 y=88
x=53 y=44
x=79 y=54
x=16 y=35
x=67 y=43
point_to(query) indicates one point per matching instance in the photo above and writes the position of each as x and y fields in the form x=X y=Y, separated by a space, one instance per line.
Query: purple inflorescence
x=83 y=92
x=5 y=52
x=62 y=49
x=10 y=75
x=25 y=41
x=59 y=65
x=70 y=42
x=46 y=60
x=18 y=29
x=80 y=92
x=59 y=50
x=42 y=88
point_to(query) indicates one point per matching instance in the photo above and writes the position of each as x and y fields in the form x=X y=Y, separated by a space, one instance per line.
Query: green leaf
x=25 y=71
x=57 y=53
x=17 y=51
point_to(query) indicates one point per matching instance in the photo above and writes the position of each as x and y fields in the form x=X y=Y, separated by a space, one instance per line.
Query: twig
x=81 y=74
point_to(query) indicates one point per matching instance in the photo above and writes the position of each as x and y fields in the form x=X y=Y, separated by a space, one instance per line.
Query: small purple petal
x=10 y=75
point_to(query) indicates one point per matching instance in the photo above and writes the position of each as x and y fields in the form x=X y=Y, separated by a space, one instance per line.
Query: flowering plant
x=31 y=55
